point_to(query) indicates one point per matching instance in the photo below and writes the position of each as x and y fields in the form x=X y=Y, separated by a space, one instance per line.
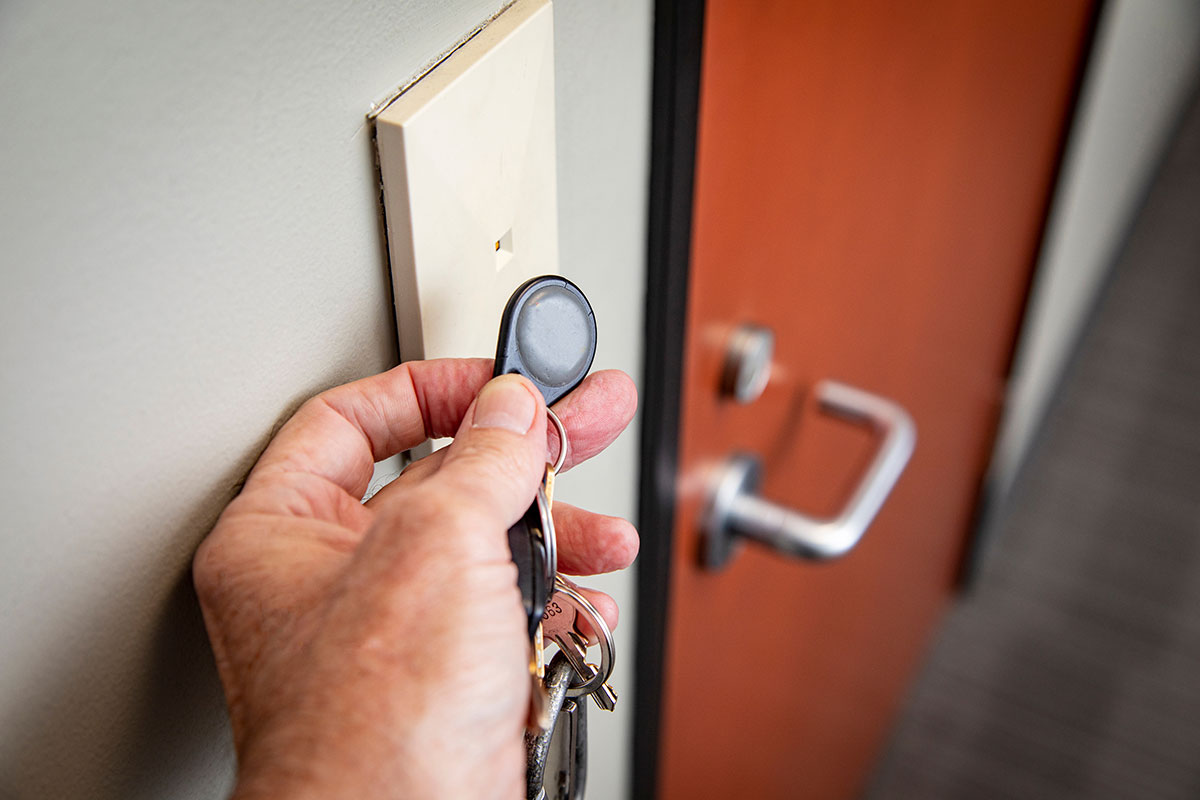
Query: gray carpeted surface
x=1072 y=669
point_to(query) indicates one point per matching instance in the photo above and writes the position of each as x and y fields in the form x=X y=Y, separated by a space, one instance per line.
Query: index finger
x=340 y=434
x=594 y=415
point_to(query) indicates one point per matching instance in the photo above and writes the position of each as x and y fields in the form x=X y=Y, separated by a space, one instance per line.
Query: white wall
x=191 y=246
x=1143 y=71
x=603 y=57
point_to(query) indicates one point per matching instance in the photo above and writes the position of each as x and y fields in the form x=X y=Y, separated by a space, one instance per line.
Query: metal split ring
x=608 y=646
x=549 y=537
x=562 y=441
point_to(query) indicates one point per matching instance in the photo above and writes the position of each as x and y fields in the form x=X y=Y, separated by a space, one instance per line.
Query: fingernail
x=505 y=403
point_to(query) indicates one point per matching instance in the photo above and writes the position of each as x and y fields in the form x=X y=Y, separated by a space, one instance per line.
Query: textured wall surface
x=192 y=246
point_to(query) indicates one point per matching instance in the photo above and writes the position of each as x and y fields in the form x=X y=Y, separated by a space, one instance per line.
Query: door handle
x=736 y=511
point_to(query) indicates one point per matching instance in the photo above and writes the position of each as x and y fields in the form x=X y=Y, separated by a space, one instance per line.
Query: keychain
x=548 y=335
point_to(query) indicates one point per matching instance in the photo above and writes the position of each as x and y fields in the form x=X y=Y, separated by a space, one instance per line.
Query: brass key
x=538 y=696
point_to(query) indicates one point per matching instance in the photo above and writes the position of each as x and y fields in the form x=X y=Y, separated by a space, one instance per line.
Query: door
x=871 y=181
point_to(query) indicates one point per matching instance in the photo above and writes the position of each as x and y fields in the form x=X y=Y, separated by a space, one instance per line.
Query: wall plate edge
x=425 y=157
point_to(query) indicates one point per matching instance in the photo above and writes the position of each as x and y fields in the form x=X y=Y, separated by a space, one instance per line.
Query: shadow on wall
x=143 y=720
x=180 y=686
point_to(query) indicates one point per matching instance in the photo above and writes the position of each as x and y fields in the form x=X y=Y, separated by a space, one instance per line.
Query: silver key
x=562 y=628
x=574 y=648
x=568 y=777
x=538 y=743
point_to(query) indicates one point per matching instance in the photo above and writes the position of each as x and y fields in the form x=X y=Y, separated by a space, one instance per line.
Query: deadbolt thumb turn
x=735 y=510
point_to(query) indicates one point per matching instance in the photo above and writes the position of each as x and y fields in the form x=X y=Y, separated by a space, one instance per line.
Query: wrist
x=327 y=758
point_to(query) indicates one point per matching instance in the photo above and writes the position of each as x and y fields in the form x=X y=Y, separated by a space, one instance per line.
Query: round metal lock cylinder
x=747 y=369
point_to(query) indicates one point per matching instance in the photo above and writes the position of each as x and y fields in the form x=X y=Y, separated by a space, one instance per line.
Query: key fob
x=548 y=335
x=526 y=540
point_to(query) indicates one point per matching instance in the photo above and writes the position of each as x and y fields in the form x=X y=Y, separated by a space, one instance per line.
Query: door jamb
x=678 y=41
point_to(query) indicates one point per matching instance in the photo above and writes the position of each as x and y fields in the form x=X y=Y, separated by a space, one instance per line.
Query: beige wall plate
x=468 y=164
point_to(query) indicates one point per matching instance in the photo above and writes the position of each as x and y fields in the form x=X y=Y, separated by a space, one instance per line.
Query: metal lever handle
x=735 y=510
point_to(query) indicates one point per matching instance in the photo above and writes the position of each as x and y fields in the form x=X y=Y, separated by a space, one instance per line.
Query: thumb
x=498 y=456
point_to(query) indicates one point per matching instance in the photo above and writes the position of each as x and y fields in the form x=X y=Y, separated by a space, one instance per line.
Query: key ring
x=608 y=646
x=562 y=441
x=545 y=512
x=549 y=537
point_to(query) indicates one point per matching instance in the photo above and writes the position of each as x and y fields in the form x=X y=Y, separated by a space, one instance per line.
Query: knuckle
x=435 y=509
x=222 y=559
x=481 y=479
x=496 y=462
x=209 y=566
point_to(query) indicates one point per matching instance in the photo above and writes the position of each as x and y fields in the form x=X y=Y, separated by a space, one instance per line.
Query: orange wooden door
x=871 y=183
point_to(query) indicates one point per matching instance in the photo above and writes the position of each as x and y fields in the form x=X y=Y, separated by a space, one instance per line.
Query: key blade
x=539 y=652
x=538 y=720
x=605 y=697
x=548 y=484
x=575 y=651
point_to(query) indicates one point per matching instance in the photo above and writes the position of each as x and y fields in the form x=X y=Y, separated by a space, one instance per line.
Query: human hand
x=380 y=649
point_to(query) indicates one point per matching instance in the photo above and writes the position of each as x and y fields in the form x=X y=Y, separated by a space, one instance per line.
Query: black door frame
x=678 y=41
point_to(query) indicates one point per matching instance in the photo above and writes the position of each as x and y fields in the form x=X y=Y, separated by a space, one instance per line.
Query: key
x=548 y=482
x=556 y=760
x=574 y=648
x=570 y=777
x=532 y=543
x=527 y=543
x=538 y=698
x=561 y=616
x=538 y=743
x=538 y=720
x=548 y=335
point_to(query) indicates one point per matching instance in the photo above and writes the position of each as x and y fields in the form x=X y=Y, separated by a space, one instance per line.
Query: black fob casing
x=548 y=335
